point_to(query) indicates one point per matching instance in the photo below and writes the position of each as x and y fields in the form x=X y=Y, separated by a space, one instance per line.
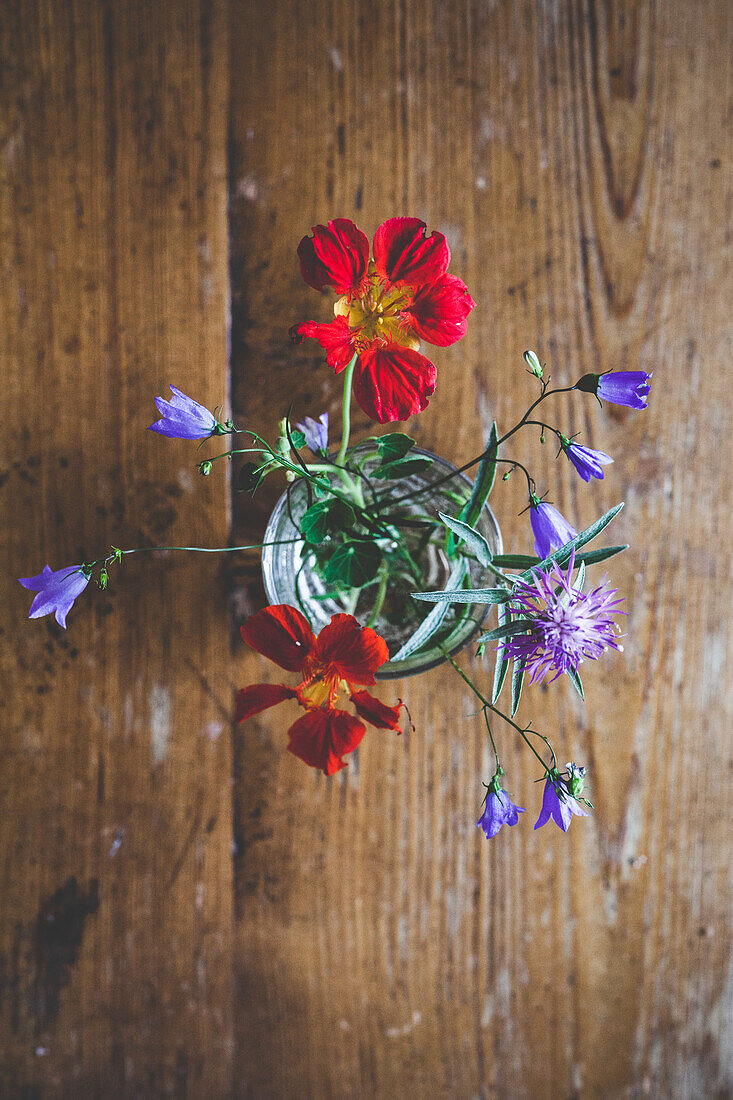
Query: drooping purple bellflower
x=620 y=387
x=56 y=590
x=316 y=433
x=498 y=810
x=183 y=418
x=586 y=461
x=551 y=530
x=560 y=797
x=567 y=626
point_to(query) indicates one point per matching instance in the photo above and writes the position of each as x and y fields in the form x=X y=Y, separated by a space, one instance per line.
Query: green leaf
x=502 y=662
x=354 y=564
x=579 y=578
x=576 y=682
x=592 y=557
x=402 y=467
x=393 y=446
x=297 y=440
x=432 y=622
x=517 y=681
x=325 y=518
x=518 y=626
x=475 y=542
x=562 y=556
x=515 y=561
x=484 y=482
x=476 y=595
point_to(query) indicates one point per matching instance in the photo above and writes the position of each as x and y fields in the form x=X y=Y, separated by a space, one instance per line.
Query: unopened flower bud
x=506 y=475
x=204 y=468
x=103 y=578
x=533 y=363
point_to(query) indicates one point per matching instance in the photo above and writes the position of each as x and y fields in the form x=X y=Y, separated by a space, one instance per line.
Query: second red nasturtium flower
x=387 y=306
x=342 y=655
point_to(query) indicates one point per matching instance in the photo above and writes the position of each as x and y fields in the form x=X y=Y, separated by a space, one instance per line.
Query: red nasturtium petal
x=349 y=650
x=393 y=383
x=257 y=697
x=439 y=310
x=336 y=338
x=376 y=712
x=403 y=254
x=336 y=255
x=323 y=735
x=281 y=634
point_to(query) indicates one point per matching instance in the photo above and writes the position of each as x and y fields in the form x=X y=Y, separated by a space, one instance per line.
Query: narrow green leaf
x=517 y=681
x=484 y=482
x=354 y=564
x=562 y=556
x=476 y=595
x=432 y=622
x=402 y=467
x=475 y=541
x=519 y=626
x=580 y=578
x=515 y=561
x=576 y=682
x=592 y=557
x=502 y=662
x=394 y=446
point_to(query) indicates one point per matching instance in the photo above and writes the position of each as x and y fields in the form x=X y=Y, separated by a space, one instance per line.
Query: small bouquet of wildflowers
x=381 y=559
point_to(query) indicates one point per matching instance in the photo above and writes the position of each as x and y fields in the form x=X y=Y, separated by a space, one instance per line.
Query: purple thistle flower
x=586 y=461
x=620 y=387
x=498 y=810
x=559 y=801
x=183 y=418
x=56 y=590
x=315 y=432
x=567 y=626
x=551 y=529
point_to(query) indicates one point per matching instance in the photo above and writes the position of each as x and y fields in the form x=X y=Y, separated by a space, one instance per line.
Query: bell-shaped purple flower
x=315 y=432
x=183 y=418
x=56 y=590
x=551 y=530
x=586 y=461
x=498 y=810
x=559 y=801
x=620 y=387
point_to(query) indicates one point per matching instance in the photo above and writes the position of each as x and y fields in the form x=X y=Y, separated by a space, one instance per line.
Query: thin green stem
x=203 y=549
x=381 y=593
x=496 y=711
x=348 y=381
x=493 y=743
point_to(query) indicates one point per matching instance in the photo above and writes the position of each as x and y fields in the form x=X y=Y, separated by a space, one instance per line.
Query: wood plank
x=574 y=156
x=115 y=797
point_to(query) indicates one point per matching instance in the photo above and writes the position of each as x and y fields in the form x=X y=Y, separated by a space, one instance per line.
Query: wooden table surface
x=186 y=909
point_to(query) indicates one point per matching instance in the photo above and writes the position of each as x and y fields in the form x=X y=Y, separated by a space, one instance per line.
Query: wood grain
x=187 y=910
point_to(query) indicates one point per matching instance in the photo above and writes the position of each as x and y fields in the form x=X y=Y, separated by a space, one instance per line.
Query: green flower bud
x=103 y=578
x=204 y=468
x=533 y=363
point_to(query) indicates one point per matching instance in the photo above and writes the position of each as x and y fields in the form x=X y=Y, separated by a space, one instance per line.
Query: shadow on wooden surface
x=187 y=910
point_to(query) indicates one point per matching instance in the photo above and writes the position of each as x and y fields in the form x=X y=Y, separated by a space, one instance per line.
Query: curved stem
x=204 y=549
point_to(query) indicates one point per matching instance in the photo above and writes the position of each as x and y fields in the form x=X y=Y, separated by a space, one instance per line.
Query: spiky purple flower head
x=184 y=418
x=567 y=626
x=498 y=809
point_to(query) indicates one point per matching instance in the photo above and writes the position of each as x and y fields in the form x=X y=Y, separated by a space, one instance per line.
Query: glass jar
x=290 y=579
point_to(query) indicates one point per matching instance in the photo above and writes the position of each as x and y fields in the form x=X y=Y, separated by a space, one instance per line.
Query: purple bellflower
x=586 y=461
x=561 y=798
x=498 y=810
x=316 y=433
x=183 y=418
x=551 y=530
x=567 y=626
x=56 y=590
x=620 y=387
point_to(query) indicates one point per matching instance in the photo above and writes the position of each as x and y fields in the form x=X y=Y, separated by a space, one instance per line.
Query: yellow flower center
x=378 y=313
x=322 y=692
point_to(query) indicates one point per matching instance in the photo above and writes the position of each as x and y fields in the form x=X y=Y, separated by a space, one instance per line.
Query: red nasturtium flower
x=343 y=654
x=388 y=305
